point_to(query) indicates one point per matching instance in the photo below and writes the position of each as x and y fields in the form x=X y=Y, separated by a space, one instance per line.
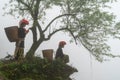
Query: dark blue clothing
x=59 y=53
x=21 y=34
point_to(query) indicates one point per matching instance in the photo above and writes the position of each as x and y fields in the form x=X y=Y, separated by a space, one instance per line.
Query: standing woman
x=19 y=50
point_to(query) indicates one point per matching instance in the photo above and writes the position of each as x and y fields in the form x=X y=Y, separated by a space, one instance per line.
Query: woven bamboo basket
x=48 y=54
x=12 y=33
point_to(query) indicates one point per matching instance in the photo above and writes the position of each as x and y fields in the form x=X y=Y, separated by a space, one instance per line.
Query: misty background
x=88 y=68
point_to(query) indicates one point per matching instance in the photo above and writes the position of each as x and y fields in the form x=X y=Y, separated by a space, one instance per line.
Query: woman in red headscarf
x=19 y=50
x=59 y=52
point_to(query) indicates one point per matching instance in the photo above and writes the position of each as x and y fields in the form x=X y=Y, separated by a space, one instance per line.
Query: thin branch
x=51 y=34
x=23 y=3
x=72 y=35
x=85 y=46
x=28 y=6
x=57 y=18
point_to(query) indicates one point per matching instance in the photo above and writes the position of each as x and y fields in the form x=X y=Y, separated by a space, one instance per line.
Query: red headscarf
x=24 y=21
x=61 y=43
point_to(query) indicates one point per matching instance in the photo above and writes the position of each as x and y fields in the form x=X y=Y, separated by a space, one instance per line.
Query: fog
x=80 y=58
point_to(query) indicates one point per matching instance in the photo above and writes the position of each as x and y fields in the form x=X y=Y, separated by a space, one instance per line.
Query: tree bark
x=33 y=48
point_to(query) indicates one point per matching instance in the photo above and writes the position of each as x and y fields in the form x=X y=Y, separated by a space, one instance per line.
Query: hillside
x=35 y=69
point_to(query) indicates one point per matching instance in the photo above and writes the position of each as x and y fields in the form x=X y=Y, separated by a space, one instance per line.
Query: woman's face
x=62 y=46
x=23 y=25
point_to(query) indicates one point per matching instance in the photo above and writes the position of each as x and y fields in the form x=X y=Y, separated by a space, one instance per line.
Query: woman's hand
x=27 y=31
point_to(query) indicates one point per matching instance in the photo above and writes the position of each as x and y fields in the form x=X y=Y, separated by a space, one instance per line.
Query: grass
x=35 y=69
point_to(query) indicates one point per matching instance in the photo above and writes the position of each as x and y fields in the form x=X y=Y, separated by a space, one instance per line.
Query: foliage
x=36 y=69
x=92 y=26
x=86 y=21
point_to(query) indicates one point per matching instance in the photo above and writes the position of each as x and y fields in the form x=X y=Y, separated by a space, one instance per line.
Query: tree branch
x=28 y=7
x=72 y=34
x=57 y=18
x=21 y=1
x=36 y=10
x=51 y=34
x=40 y=30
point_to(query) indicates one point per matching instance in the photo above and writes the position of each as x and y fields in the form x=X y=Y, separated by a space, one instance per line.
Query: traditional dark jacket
x=59 y=53
x=21 y=35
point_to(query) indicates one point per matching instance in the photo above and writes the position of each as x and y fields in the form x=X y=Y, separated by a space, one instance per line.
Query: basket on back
x=12 y=33
x=48 y=54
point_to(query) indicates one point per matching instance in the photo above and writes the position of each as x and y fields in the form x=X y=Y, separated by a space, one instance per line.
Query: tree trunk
x=34 y=32
x=32 y=50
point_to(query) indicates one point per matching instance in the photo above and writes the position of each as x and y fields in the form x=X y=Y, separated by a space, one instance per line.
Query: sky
x=80 y=58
